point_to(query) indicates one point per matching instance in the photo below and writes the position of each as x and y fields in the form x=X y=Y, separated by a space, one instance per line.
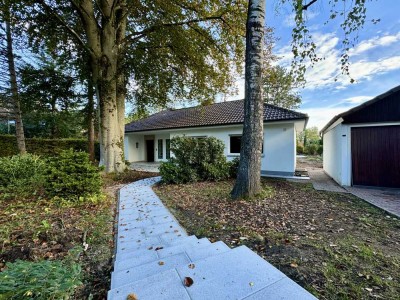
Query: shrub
x=311 y=149
x=234 y=167
x=320 y=149
x=21 y=176
x=72 y=176
x=300 y=149
x=44 y=147
x=39 y=280
x=195 y=159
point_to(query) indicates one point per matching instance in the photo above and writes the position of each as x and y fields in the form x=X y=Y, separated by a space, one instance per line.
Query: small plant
x=71 y=176
x=40 y=280
x=300 y=149
x=21 y=176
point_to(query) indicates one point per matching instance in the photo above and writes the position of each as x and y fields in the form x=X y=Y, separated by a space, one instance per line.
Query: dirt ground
x=333 y=244
x=39 y=229
x=309 y=162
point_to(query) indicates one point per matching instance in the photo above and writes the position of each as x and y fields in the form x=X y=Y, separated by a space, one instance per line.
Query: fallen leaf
x=159 y=248
x=161 y=263
x=188 y=281
x=191 y=266
x=132 y=297
x=251 y=283
x=294 y=265
x=150 y=248
x=368 y=289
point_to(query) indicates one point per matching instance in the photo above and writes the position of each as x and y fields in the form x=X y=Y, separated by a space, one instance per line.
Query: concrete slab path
x=322 y=182
x=154 y=255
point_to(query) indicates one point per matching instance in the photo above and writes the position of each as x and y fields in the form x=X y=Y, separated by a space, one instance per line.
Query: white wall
x=279 y=149
x=279 y=157
x=131 y=152
x=332 y=154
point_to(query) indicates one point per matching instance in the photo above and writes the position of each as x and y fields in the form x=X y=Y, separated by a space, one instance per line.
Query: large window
x=235 y=141
x=167 y=148
x=160 y=149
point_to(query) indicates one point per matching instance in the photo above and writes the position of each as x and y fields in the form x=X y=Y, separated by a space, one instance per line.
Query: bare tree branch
x=306 y=6
x=64 y=24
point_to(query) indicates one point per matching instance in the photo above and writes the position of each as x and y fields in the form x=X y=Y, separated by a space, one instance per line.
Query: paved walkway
x=322 y=182
x=146 y=166
x=387 y=199
x=154 y=256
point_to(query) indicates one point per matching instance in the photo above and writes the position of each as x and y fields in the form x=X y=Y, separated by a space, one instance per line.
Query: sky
x=375 y=58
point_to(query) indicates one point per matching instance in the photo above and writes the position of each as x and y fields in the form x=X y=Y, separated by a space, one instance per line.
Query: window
x=167 y=148
x=160 y=149
x=235 y=141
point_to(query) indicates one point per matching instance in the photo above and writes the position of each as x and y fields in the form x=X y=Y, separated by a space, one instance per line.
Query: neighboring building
x=362 y=145
x=149 y=139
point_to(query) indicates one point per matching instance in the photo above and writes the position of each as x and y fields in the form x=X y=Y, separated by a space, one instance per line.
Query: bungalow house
x=149 y=139
x=362 y=145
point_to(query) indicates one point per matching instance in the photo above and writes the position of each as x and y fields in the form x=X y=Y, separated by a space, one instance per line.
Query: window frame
x=160 y=150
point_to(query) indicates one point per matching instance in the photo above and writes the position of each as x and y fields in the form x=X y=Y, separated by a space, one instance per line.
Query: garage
x=375 y=153
x=362 y=145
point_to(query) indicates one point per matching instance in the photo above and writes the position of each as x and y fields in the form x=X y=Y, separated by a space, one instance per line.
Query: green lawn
x=335 y=245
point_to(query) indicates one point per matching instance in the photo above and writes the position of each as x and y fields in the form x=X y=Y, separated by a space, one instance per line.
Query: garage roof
x=382 y=108
x=224 y=113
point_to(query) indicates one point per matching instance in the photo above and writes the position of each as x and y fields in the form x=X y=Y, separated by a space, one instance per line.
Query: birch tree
x=248 y=178
x=353 y=13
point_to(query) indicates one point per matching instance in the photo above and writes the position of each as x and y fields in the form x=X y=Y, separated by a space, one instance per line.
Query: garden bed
x=37 y=229
x=335 y=245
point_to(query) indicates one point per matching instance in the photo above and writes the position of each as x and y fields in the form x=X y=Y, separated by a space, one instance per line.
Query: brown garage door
x=376 y=156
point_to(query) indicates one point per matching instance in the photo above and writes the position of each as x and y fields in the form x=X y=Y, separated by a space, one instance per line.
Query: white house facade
x=149 y=139
x=362 y=145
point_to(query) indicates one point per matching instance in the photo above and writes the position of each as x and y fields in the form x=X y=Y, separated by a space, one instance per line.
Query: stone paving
x=146 y=166
x=386 y=199
x=154 y=255
x=322 y=182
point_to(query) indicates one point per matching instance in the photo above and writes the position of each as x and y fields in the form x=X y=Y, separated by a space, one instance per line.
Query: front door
x=150 y=150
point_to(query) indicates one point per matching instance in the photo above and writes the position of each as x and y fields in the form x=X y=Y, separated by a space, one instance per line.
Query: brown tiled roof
x=224 y=113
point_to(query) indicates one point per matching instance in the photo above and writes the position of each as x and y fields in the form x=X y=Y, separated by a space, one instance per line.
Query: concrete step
x=153 y=242
x=189 y=241
x=235 y=274
x=202 y=248
x=123 y=277
x=128 y=234
x=143 y=256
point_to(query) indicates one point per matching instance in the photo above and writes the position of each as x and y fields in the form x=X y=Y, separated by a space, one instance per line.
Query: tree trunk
x=19 y=127
x=90 y=120
x=104 y=54
x=248 y=182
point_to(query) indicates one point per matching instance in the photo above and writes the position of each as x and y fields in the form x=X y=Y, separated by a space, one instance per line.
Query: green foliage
x=40 y=280
x=299 y=149
x=234 y=167
x=311 y=149
x=279 y=87
x=71 y=176
x=320 y=150
x=196 y=159
x=21 y=176
x=44 y=147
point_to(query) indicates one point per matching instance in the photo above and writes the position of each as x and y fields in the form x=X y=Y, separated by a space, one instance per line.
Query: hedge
x=44 y=147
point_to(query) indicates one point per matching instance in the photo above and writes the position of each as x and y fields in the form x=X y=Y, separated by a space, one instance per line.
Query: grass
x=37 y=229
x=335 y=245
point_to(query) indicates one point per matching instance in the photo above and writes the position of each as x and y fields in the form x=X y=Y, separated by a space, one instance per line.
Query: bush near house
x=44 y=147
x=196 y=160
